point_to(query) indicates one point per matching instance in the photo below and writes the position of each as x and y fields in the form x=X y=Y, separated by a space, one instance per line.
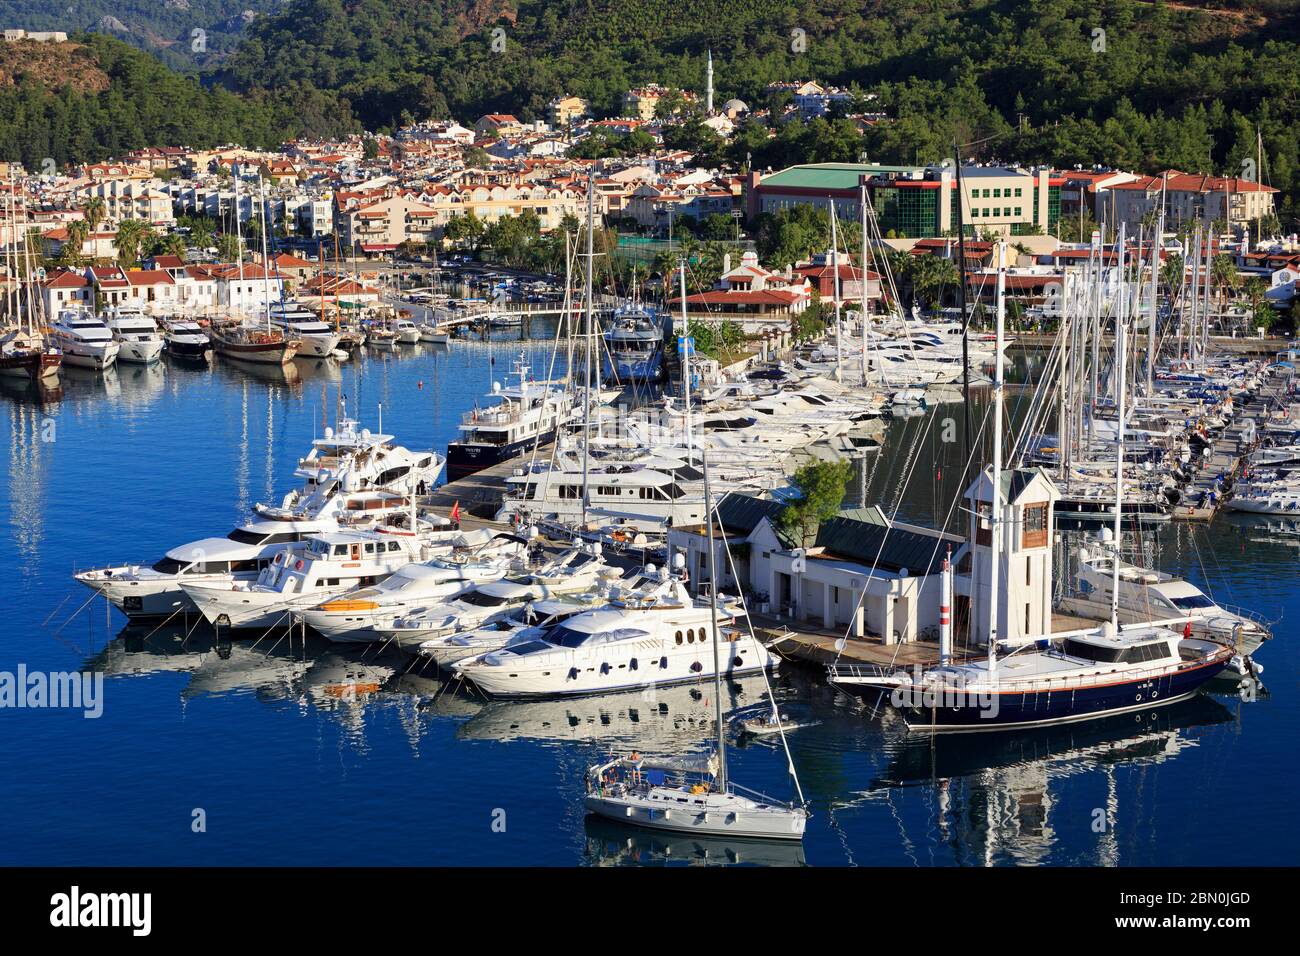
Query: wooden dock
x=481 y=493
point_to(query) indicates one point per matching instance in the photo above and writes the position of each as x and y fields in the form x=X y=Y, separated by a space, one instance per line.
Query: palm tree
x=131 y=235
x=93 y=211
x=78 y=231
x=931 y=275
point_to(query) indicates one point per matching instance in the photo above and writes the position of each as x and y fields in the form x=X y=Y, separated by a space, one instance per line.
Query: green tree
x=132 y=234
x=821 y=488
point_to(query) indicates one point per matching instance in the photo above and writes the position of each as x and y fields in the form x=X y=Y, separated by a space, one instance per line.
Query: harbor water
x=212 y=752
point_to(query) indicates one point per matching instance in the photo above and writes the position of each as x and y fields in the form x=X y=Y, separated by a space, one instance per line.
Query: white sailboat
x=694 y=796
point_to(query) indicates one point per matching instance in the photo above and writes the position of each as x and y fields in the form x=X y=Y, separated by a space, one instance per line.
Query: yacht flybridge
x=350 y=479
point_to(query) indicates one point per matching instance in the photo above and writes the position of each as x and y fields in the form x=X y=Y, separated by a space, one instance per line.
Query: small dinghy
x=773 y=723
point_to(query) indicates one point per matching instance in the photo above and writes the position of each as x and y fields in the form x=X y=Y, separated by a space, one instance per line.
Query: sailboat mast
x=239 y=246
x=713 y=620
x=862 y=205
x=835 y=292
x=1153 y=309
x=1120 y=356
x=998 y=381
x=266 y=259
x=586 y=394
x=686 y=357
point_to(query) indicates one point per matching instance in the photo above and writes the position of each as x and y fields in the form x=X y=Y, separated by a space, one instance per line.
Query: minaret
x=708 y=86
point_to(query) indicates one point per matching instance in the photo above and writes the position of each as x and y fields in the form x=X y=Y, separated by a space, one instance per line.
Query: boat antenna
x=713 y=620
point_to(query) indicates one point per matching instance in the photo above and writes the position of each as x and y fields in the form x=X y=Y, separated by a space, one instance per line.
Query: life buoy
x=299 y=564
x=279 y=558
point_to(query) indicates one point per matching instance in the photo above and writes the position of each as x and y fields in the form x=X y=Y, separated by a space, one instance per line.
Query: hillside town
x=436 y=187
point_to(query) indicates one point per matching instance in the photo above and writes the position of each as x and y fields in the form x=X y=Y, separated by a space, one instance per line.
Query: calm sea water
x=322 y=756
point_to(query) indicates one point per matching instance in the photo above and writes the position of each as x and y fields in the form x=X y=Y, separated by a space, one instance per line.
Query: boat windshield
x=479 y=599
x=564 y=636
x=1192 y=602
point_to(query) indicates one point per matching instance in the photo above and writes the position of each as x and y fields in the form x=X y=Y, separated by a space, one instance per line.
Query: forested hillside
x=88 y=100
x=1163 y=85
x=165 y=28
x=1141 y=85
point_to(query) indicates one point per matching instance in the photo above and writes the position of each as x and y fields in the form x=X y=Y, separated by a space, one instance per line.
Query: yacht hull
x=1016 y=709
x=464 y=459
x=714 y=818
x=140 y=353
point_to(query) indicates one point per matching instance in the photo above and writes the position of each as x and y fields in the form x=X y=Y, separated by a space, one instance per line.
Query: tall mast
x=713 y=618
x=686 y=358
x=998 y=380
x=239 y=245
x=965 y=318
x=1153 y=310
x=862 y=202
x=266 y=259
x=1120 y=309
x=835 y=292
x=586 y=395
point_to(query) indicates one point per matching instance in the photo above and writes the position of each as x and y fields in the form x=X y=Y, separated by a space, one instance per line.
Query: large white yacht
x=84 y=340
x=316 y=338
x=1146 y=596
x=351 y=478
x=654 y=633
x=326 y=565
x=527 y=415
x=137 y=336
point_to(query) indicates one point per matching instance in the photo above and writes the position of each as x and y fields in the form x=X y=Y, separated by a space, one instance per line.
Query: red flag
x=455 y=511
x=1187 y=630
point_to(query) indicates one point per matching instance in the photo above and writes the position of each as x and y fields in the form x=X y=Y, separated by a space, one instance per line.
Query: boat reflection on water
x=609 y=843
x=666 y=719
x=1146 y=736
x=993 y=800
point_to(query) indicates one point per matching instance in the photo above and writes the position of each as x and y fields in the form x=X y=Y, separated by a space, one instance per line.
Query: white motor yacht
x=478 y=557
x=84 y=340
x=327 y=564
x=654 y=633
x=136 y=335
x=350 y=478
x=316 y=338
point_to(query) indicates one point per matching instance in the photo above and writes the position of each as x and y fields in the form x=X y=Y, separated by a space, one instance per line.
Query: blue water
x=312 y=755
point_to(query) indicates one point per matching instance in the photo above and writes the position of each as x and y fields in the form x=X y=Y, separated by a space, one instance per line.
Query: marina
x=350 y=715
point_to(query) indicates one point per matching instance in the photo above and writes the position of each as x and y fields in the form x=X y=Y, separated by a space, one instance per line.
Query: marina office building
x=909 y=201
x=897 y=565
